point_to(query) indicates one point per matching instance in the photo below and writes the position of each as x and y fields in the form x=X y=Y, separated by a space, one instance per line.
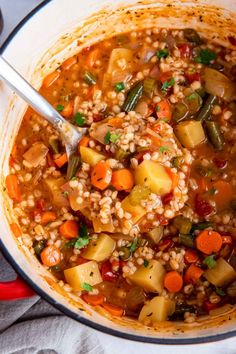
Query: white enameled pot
x=50 y=34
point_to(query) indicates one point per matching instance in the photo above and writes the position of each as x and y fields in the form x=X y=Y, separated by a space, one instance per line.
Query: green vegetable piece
x=180 y=311
x=219 y=291
x=205 y=56
x=210 y=261
x=133 y=97
x=87 y=287
x=73 y=165
x=192 y=36
x=114 y=137
x=133 y=245
x=194 y=102
x=121 y=154
x=186 y=240
x=79 y=119
x=182 y=224
x=168 y=84
x=120 y=86
x=177 y=161
x=107 y=138
x=163 y=149
x=59 y=107
x=202 y=226
x=83 y=231
x=149 y=85
x=54 y=143
x=39 y=246
x=214 y=135
x=212 y=191
x=81 y=242
x=125 y=253
x=145 y=263
x=71 y=243
x=205 y=111
x=163 y=53
x=180 y=112
x=89 y=78
x=138 y=194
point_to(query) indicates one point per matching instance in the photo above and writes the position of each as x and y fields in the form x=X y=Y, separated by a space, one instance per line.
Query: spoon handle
x=30 y=95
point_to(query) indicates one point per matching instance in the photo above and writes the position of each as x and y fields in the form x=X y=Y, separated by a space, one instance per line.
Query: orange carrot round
x=50 y=79
x=173 y=281
x=191 y=256
x=84 y=141
x=113 y=309
x=50 y=256
x=48 y=216
x=67 y=110
x=163 y=110
x=209 y=242
x=61 y=160
x=101 y=175
x=93 y=300
x=122 y=179
x=15 y=228
x=193 y=274
x=13 y=189
x=69 y=229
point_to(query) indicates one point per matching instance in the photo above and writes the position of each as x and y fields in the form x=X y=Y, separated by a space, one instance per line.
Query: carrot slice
x=173 y=281
x=92 y=57
x=116 y=122
x=69 y=229
x=68 y=63
x=113 y=309
x=67 y=110
x=163 y=110
x=191 y=256
x=209 y=242
x=50 y=79
x=93 y=300
x=84 y=141
x=48 y=216
x=16 y=230
x=101 y=175
x=13 y=189
x=62 y=160
x=223 y=194
x=193 y=274
x=50 y=256
x=174 y=177
x=122 y=179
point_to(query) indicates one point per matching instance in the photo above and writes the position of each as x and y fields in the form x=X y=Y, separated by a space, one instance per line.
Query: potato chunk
x=136 y=211
x=100 y=249
x=149 y=278
x=98 y=226
x=154 y=176
x=85 y=273
x=222 y=274
x=90 y=156
x=155 y=235
x=116 y=56
x=157 y=310
x=190 y=133
x=54 y=188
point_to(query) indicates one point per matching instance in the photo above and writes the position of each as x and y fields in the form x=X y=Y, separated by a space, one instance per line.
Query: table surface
x=13 y=11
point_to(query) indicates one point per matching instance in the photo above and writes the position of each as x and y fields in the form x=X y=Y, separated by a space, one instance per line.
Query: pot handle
x=15 y=289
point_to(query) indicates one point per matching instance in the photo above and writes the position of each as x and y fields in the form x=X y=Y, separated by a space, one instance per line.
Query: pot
x=54 y=31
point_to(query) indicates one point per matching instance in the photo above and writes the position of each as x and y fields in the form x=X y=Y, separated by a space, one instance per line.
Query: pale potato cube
x=136 y=211
x=90 y=156
x=84 y=273
x=98 y=226
x=222 y=274
x=155 y=235
x=36 y=153
x=56 y=193
x=190 y=133
x=157 y=310
x=154 y=176
x=120 y=59
x=150 y=278
x=100 y=249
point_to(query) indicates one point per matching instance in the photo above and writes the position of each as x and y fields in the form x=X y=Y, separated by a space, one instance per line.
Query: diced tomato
x=40 y=204
x=81 y=260
x=202 y=207
x=232 y=40
x=97 y=117
x=107 y=273
x=166 y=199
x=35 y=212
x=192 y=76
x=208 y=306
x=220 y=163
x=185 y=50
x=50 y=160
x=166 y=76
x=165 y=244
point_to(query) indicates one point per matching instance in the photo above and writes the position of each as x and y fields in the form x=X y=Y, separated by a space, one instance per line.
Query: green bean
x=186 y=240
x=133 y=97
x=89 y=78
x=39 y=246
x=192 y=36
x=214 y=134
x=180 y=112
x=149 y=85
x=73 y=165
x=205 y=112
x=202 y=226
x=182 y=224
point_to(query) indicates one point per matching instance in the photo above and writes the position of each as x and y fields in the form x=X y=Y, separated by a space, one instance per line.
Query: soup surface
x=141 y=220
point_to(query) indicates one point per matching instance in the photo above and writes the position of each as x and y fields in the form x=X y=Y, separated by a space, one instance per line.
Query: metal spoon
x=69 y=133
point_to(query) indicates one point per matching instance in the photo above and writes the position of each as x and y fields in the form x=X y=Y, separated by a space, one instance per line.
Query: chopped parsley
x=81 y=242
x=145 y=263
x=163 y=53
x=158 y=108
x=71 y=243
x=193 y=96
x=59 y=107
x=107 y=138
x=87 y=287
x=89 y=78
x=210 y=261
x=167 y=84
x=83 y=231
x=205 y=56
x=79 y=119
x=219 y=291
x=120 y=86
x=163 y=149
x=111 y=137
x=133 y=245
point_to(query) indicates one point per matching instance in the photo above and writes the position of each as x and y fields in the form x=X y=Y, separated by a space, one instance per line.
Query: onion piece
x=219 y=85
x=36 y=153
